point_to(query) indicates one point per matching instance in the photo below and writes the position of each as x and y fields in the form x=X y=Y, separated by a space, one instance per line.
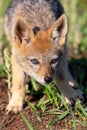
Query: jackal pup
x=37 y=32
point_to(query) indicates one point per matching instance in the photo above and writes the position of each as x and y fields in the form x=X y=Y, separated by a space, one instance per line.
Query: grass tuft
x=51 y=103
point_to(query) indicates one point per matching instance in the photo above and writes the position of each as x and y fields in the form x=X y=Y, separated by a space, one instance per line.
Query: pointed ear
x=58 y=30
x=22 y=31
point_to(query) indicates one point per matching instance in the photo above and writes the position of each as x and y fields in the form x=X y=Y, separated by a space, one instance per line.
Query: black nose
x=48 y=79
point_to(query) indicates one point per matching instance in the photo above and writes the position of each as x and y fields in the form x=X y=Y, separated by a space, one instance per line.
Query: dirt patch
x=15 y=122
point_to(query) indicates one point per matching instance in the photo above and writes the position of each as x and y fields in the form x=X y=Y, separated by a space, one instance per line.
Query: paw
x=14 y=106
x=13 y=109
x=76 y=95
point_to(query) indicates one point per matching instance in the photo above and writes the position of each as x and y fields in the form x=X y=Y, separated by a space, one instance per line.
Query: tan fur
x=47 y=47
x=18 y=89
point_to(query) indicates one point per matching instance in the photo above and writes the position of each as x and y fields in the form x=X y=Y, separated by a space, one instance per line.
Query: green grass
x=78 y=113
x=29 y=126
x=50 y=97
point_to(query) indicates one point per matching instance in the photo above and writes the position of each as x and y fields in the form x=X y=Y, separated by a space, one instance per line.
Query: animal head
x=39 y=51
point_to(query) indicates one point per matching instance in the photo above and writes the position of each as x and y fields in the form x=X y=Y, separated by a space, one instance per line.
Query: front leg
x=71 y=81
x=71 y=95
x=18 y=90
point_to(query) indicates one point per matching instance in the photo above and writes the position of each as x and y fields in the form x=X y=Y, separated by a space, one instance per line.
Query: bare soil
x=15 y=122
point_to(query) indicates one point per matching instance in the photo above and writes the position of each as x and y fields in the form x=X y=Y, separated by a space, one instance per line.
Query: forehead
x=42 y=42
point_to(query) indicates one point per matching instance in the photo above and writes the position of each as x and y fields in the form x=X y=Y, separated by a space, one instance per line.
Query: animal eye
x=34 y=61
x=54 y=61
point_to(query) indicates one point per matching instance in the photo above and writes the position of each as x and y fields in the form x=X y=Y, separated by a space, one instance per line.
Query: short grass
x=50 y=93
x=51 y=97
